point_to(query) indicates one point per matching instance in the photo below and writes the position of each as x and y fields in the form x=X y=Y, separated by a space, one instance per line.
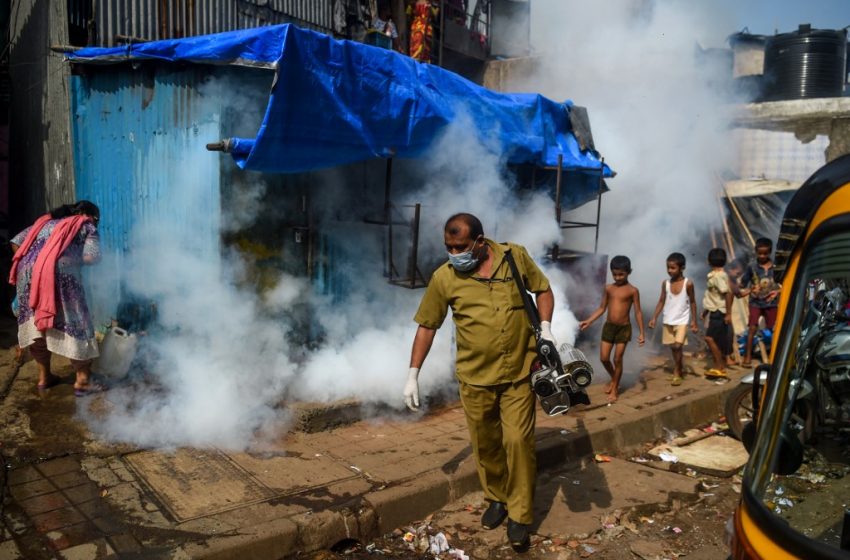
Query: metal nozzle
x=221 y=146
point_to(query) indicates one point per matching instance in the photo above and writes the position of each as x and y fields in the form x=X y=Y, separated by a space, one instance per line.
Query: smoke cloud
x=226 y=356
x=655 y=118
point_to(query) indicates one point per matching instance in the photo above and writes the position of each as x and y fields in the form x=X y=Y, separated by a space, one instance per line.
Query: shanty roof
x=758 y=187
x=335 y=102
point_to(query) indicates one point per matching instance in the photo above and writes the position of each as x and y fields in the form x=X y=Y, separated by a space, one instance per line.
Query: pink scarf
x=43 y=283
x=25 y=246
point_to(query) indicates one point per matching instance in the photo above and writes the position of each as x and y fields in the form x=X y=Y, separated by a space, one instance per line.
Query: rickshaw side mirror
x=748 y=432
x=789 y=457
x=748 y=436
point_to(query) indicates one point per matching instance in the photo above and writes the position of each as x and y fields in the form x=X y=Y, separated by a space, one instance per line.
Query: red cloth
x=43 y=284
x=25 y=246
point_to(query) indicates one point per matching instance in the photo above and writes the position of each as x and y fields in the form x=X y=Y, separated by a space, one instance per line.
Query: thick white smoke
x=655 y=118
x=224 y=356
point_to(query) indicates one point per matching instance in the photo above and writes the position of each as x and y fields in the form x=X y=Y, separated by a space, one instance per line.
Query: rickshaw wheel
x=739 y=409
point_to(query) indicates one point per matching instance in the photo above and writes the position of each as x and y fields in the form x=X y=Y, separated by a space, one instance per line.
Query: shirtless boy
x=618 y=298
x=679 y=305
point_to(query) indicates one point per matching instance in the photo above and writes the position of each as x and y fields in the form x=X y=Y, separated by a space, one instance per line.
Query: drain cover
x=193 y=483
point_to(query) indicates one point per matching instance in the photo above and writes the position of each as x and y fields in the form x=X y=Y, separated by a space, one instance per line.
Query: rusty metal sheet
x=116 y=21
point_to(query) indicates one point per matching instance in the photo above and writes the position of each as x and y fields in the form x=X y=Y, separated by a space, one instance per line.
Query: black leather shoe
x=517 y=534
x=495 y=514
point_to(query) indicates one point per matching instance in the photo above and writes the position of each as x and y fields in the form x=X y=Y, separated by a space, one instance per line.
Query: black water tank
x=805 y=64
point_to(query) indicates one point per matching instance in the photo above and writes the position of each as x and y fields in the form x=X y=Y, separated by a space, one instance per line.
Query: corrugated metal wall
x=166 y=19
x=135 y=135
x=139 y=154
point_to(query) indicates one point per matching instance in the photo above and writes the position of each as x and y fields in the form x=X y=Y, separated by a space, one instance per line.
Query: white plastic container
x=117 y=351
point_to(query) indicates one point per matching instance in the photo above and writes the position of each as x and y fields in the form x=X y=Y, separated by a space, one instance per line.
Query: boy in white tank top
x=680 y=308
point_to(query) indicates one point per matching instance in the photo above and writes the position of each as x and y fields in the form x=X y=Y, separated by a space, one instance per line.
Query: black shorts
x=718 y=331
x=616 y=334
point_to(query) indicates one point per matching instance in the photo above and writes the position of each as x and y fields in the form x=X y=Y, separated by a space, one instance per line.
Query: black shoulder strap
x=527 y=302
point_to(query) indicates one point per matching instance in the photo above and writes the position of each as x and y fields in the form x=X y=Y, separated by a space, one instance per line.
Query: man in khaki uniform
x=495 y=350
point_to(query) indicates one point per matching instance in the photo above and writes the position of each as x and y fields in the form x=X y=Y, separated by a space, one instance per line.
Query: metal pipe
x=558 y=174
x=599 y=203
x=388 y=216
x=387 y=185
x=558 y=188
x=442 y=33
x=221 y=146
x=308 y=209
x=64 y=48
x=414 y=251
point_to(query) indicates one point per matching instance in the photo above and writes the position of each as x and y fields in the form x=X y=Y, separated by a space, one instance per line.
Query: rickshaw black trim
x=802 y=207
x=785 y=536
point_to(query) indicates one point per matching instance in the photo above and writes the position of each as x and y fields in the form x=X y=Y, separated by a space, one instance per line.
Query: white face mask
x=464 y=262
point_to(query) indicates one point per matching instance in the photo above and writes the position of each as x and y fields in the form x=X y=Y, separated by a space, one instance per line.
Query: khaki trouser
x=501 y=428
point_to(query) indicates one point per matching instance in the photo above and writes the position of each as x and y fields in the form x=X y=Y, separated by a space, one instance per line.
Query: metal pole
x=307 y=207
x=558 y=173
x=599 y=204
x=442 y=34
x=414 y=252
x=388 y=216
x=558 y=189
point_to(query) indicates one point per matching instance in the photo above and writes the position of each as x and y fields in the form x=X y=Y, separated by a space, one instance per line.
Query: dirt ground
x=691 y=525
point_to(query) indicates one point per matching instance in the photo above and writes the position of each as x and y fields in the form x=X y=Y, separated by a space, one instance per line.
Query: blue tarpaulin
x=335 y=102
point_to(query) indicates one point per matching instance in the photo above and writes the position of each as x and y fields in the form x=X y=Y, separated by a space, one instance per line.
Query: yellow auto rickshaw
x=795 y=496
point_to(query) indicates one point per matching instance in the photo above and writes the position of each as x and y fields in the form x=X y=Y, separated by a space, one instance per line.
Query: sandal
x=716 y=374
x=52 y=380
x=89 y=389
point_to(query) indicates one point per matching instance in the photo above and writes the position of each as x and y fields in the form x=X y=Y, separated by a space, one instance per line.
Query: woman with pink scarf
x=46 y=268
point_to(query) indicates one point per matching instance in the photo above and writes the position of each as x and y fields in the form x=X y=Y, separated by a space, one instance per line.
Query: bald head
x=463 y=223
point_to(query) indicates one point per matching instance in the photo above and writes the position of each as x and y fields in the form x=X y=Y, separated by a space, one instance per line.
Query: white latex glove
x=546 y=332
x=411 y=389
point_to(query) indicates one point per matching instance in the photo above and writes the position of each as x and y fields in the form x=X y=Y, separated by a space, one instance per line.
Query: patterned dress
x=421 y=32
x=72 y=334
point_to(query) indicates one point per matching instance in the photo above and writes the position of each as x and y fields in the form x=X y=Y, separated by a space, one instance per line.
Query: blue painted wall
x=139 y=137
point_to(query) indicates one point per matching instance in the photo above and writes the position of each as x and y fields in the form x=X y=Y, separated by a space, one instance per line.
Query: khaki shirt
x=716 y=289
x=495 y=343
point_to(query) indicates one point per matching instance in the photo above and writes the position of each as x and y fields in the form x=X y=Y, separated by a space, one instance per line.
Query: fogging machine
x=561 y=375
